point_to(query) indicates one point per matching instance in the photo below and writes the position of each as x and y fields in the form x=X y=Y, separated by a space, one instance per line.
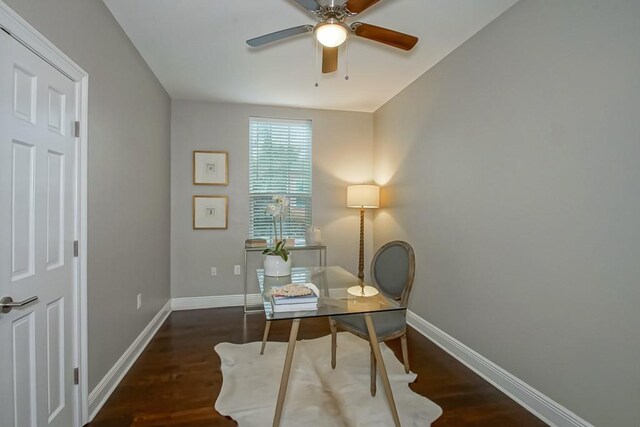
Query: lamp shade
x=363 y=196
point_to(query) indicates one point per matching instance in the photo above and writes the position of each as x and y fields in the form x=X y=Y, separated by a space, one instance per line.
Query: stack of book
x=294 y=297
x=255 y=243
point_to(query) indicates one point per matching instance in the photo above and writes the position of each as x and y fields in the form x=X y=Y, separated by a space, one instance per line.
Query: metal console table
x=322 y=262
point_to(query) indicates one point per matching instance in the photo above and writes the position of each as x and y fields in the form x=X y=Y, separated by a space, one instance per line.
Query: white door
x=37 y=184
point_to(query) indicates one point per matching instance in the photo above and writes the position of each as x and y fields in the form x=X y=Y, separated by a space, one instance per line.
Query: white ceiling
x=197 y=49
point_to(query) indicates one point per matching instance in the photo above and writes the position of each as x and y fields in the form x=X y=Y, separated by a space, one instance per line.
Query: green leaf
x=284 y=256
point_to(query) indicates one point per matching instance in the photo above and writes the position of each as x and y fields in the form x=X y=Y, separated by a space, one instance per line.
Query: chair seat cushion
x=386 y=323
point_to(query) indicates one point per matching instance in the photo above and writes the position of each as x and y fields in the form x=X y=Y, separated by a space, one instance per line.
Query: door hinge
x=76 y=129
x=76 y=376
x=75 y=249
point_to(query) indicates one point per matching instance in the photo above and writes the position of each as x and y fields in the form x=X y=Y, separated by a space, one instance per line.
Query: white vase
x=275 y=266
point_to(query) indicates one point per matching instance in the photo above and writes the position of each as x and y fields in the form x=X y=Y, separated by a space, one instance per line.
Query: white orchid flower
x=274 y=210
x=278 y=210
x=281 y=200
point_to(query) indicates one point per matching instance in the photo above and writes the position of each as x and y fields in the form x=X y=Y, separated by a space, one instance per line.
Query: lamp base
x=363 y=291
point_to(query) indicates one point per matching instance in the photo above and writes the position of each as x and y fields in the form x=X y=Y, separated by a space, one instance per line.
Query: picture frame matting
x=210 y=212
x=210 y=167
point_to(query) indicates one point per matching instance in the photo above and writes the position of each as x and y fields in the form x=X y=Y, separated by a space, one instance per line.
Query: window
x=279 y=164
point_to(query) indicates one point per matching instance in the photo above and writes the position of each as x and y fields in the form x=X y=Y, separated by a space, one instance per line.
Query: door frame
x=31 y=38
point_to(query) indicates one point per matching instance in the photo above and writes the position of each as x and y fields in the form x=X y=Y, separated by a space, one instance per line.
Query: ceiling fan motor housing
x=339 y=13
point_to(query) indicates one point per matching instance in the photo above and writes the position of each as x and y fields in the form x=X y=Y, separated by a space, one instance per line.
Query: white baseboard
x=110 y=381
x=107 y=385
x=194 y=303
x=535 y=402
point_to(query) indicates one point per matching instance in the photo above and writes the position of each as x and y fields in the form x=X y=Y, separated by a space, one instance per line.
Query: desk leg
x=265 y=335
x=375 y=346
x=246 y=279
x=285 y=372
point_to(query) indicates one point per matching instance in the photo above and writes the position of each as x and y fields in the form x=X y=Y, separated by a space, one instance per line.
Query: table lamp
x=363 y=196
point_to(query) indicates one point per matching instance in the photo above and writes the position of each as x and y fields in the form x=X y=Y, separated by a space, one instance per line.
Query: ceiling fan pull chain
x=316 y=67
x=346 y=48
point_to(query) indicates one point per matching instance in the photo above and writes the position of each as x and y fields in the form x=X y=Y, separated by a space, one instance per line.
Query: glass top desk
x=333 y=300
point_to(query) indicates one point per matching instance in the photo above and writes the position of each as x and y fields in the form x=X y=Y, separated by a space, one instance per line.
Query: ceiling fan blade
x=329 y=59
x=384 y=35
x=310 y=5
x=279 y=35
x=358 y=6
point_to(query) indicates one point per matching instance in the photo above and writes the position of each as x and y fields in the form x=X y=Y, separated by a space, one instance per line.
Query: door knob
x=7 y=304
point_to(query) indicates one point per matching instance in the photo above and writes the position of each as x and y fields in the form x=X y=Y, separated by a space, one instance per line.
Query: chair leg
x=405 y=353
x=334 y=344
x=265 y=335
x=373 y=373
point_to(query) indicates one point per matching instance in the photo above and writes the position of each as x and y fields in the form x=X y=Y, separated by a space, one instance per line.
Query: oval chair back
x=393 y=270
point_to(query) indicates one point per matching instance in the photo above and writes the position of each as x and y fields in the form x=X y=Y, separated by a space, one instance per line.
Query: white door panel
x=37 y=172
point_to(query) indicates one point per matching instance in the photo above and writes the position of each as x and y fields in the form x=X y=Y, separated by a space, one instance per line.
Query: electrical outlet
x=236 y=270
x=139 y=301
x=214 y=271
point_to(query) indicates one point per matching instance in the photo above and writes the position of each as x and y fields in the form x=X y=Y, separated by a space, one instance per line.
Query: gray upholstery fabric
x=391 y=270
x=386 y=323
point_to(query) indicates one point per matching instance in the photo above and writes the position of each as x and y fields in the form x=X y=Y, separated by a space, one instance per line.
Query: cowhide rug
x=317 y=395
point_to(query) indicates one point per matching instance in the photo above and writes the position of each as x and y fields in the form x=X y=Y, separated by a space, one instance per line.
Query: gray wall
x=512 y=167
x=342 y=154
x=129 y=119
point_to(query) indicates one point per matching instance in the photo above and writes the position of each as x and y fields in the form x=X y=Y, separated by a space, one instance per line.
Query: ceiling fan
x=331 y=30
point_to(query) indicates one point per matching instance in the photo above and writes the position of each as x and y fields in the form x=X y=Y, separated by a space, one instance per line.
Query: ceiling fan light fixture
x=331 y=33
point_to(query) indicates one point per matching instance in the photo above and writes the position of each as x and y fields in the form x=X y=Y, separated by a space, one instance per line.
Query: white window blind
x=279 y=164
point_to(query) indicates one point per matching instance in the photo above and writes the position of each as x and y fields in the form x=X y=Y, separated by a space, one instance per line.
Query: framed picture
x=210 y=168
x=209 y=212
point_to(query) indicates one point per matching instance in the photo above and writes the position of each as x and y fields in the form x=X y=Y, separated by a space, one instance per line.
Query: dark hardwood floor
x=177 y=378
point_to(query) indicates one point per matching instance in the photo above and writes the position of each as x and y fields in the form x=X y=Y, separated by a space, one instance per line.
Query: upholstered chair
x=392 y=273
